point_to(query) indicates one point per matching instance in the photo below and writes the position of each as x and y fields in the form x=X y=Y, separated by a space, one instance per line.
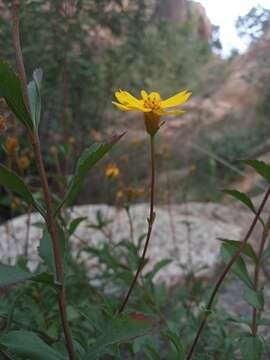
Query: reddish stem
x=151 y=220
x=50 y=221
x=225 y=272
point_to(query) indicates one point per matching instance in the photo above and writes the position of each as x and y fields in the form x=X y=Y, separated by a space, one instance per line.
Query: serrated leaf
x=247 y=250
x=251 y=348
x=261 y=168
x=14 y=183
x=88 y=159
x=12 y=275
x=239 y=267
x=34 y=88
x=120 y=329
x=45 y=249
x=28 y=345
x=254 y=298
x=11 y=90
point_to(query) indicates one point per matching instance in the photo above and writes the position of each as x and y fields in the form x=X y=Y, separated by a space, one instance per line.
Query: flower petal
x=121 y=107
x=176 y=100
x=144 y=94
x=126 y=98
x=169 y=113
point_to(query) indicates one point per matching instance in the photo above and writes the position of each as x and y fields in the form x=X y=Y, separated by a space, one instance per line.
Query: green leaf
x=251 y=348
x=254 y=298
x=247 y=250
x=241 y=197
x=261 y=168
x=14 y=183
x=85 y=163
x=120 y=329
x=239 y=267
x=28 y=345
x=12 y=275
x=34 y=92
x=11 y=90
x=45 y=249
x=74 y=224
x=158 y=266
x=266 y=253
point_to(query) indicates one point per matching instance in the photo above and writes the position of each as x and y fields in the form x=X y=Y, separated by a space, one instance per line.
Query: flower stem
x=225 y=272
x=150 y=220
x=255 y=312
x=50 y=221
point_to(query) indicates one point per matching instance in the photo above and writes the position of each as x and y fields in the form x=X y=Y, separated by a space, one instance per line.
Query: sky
x=225 y=13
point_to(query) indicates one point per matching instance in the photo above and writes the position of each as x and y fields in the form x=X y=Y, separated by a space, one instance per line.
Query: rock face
x=181 y=11
x=187 y=234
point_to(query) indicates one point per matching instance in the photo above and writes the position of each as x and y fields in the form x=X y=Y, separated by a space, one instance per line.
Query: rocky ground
x=186 y=233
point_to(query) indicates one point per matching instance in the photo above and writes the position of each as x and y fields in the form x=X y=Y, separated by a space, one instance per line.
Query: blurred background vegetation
x=89 y=49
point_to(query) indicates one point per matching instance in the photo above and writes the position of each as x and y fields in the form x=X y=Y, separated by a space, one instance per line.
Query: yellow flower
x=112 y=171
x=71 y=140
x=15 y=204
x=23 y=162
x=151 y=105
x=11 y=145
x=134 y=193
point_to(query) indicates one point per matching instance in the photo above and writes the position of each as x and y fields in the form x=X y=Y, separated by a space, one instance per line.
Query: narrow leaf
x=13 y=182
x=12 y=275
x=85 y=163
x=239 y=268
x=261 y=168
x=241 y=197
x=28 y=345
x=254 y=298
x=74 y=224
x=45 y=249
x=11 y=90
x=121 y=329
x=247 y=250
x=34 y=92
x=251 y=348
x=158 y=266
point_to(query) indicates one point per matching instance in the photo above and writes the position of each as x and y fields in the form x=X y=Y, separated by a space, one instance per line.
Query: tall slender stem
x=50 y=221
x=225 y=272
x=151 y=220
x=255 y=311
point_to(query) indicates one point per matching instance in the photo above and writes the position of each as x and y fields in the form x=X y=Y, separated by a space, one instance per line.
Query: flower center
x=153 y=101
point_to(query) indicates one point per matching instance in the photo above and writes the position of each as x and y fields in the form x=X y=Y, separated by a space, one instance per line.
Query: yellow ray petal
x=144 y=94
x=121 y=107
x=176 y=100
x=126 y=98
x=168 y=113
x=139 y=108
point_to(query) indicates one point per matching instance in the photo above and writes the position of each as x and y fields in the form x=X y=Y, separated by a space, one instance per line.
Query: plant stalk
x=255 y=311
x=151 y=220
x=50 y=221
x=225 y=272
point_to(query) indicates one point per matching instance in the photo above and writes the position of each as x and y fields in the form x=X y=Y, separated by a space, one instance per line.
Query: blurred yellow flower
x=136 y=141
x=112 y=171
x=23 y=162
x=71 y=140
x=11 y=145
x=15 y=204
x=120 y=194
x=134 y=193
x=151 y=105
